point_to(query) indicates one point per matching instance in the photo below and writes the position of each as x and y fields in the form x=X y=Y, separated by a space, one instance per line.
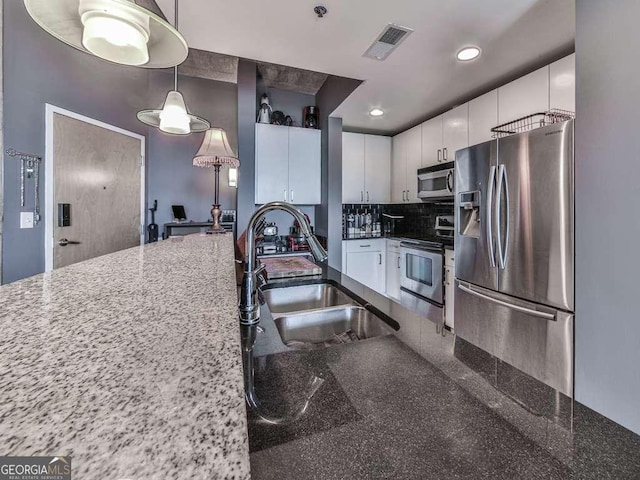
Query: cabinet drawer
x=393 y=246
x=449 y=258
x=365 y=245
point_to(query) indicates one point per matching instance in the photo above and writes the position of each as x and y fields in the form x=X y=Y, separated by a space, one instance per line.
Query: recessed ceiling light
x=468 y=53
x=376 y=112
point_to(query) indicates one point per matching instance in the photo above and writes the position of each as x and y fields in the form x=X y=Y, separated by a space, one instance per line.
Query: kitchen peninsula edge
x=129 y=363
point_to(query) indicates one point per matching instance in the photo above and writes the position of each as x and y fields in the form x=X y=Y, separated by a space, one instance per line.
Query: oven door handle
x=420 y=248
x=517 y=308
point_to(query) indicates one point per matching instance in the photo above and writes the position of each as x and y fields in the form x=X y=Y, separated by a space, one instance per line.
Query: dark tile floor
x=386 y=412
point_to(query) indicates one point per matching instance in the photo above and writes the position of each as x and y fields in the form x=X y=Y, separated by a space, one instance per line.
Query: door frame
x=49 y=180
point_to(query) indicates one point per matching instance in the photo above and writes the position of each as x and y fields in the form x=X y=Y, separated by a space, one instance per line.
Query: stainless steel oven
x=436 y=181
x=421 y=270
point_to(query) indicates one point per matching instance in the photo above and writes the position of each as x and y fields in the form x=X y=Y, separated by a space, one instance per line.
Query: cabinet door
x=352 y=168
x=455 y=132
x=399 y=168
x=562 y=77
x=432 y=141
x=304 y=166
x=272 y=163
x=377 y=165
x=414 y=162
x=524 y=96
x=483 y=116
x=393 y=275
x=367 y=268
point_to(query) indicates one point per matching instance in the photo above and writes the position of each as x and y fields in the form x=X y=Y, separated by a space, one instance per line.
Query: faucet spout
x=249 y=304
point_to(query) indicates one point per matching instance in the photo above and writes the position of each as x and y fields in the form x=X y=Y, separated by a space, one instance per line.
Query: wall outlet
x=26 y=219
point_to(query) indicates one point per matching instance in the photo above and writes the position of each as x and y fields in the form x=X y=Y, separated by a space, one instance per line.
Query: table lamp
x=216 y=152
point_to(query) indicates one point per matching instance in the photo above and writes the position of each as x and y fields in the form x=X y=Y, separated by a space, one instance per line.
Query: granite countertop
x=130 y=363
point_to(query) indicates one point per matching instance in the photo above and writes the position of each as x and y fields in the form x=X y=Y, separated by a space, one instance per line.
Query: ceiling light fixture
x=468 y=53
x=173 y=117
x=119 y=31
x=376 y=112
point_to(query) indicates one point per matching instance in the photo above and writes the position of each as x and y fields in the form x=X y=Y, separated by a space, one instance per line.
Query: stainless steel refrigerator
x=514 y=249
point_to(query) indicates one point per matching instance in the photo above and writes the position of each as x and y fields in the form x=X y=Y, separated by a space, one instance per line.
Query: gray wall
x=607 y=218
x=329 y=215
x=171 y=177
x=39 y=70
x=246 y=141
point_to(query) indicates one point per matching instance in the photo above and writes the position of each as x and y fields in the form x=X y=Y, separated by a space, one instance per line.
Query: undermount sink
x=305 y=297
x=321 y=315
x=327 y=325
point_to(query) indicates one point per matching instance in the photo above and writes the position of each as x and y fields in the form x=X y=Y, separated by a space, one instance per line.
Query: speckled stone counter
x=130 y=363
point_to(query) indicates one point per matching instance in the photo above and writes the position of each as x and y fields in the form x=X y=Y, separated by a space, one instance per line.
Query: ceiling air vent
x=387 y=41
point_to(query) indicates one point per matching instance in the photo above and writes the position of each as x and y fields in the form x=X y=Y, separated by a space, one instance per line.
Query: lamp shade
x=119 y=31
x=173 y=117
x=215 y=150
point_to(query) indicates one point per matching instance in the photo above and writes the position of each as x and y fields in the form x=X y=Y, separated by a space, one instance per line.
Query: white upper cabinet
x=524 y=96
x=304 y=166
x=483 y=116
x=366 y=162
x=455 y=131
x=414 y=162
x=288 y=165
x=562 y=79
x=377 y=164
x=352 y=168
x=432 y=141
x=399 y=168
x=272 y=163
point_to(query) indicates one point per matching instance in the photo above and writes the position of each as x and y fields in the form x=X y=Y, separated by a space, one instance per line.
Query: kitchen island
x=129 y=363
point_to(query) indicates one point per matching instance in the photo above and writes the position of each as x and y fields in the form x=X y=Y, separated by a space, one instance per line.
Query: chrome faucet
x=249 y=308
x=249 y=304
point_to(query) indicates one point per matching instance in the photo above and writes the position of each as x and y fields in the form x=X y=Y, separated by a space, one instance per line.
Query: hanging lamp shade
x=215 y=150
x=174 y=117
x=119 y=31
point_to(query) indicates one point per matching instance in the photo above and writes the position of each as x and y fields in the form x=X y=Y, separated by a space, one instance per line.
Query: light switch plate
x=26 y=219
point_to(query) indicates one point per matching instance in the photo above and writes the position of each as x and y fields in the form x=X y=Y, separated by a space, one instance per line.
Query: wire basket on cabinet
x=531 y=122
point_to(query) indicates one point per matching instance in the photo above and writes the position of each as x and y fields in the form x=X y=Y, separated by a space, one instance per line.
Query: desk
x=169 y=227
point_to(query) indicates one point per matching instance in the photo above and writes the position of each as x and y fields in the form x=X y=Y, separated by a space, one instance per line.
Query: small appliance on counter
x=445 y=227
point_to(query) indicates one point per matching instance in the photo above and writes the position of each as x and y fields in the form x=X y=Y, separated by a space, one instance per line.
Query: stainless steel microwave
x=436 y=181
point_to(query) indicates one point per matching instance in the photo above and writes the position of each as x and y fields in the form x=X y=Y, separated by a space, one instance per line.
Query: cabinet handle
x=398 y=262
x=367 y=196
x=444 y=154
x=291 y=196
x=285 y=195
x=361 y=196
x=439 y=152
x=380 y=259
x=365 y=246
x=403 y=195
x=408 y=195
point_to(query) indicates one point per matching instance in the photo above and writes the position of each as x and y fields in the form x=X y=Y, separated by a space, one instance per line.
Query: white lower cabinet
x=364 y=261
x=393 y=269
x=449 y=287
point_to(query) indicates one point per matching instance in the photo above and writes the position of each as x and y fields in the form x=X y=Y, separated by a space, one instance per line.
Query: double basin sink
x=316 y=315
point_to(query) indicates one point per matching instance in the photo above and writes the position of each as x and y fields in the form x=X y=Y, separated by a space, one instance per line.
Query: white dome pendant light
x=119 y=31
x=174 y=117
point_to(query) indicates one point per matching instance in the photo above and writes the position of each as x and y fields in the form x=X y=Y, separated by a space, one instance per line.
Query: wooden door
x=483 y=116
x=414 y=162
x=98 y=172
x=399 y=168
x=272 y=163
x=524 y=96
x=455 y=131
x=353 y=168
x=377 y=161
x=432 y=142
x=304 y=166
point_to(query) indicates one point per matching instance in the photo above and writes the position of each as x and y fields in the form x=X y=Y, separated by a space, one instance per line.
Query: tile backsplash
x=418 y=219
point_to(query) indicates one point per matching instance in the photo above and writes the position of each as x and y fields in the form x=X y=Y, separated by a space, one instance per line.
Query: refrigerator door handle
x=492 y=182
x=518 y=308
x=508 y=223
x=498 y=213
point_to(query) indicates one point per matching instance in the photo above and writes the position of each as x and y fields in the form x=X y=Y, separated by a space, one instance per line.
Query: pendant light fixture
x=174 y=117
x=119 y=31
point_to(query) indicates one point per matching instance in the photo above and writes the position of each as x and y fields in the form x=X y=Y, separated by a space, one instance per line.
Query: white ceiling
x=420 y=77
